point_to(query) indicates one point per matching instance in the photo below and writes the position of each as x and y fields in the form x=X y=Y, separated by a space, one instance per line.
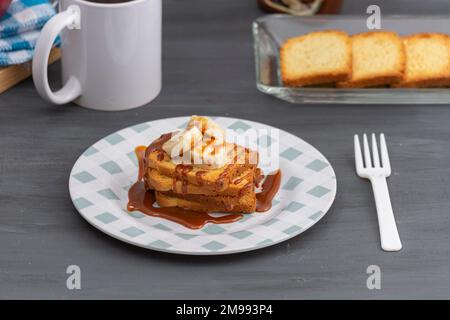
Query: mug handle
x=69 y=18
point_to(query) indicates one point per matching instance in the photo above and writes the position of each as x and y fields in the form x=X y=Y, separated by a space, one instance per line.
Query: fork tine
x=367 y=159
x=358 y=155
x=376 y=158
x=384 y=154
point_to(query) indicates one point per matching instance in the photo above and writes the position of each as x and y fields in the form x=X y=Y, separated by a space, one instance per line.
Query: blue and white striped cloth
x=20 y=28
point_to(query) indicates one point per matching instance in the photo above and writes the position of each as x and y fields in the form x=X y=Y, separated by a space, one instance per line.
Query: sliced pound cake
x=378 y=59
x=427 y=60
x=316 y=58
x=244 y=203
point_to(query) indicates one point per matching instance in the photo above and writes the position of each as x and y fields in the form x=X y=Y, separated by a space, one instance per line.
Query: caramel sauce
x=220 y=182
x=269 y=189
x=160 y=156
x=181 y=171
x=155 y=145
x=258 y=177
x=245 y=188
x=143 y=200
x=140 y=152
x=235 y=154
x=199 y=175
x=238 y=180
x=208 y=143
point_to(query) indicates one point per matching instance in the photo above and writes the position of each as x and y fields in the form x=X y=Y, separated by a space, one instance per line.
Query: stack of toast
x=229 y=188
x=370 y=59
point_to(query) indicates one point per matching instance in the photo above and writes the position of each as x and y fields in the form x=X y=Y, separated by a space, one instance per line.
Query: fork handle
x=390 y=240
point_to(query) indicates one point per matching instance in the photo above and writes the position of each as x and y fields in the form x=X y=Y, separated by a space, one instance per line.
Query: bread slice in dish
x=244 y=203
x=378 y=58
x=229 y=188
x=165 y=183
x=212 y=179
x=427 y=61
x=316 y=58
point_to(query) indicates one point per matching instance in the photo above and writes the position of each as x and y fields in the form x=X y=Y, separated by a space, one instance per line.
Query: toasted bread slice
x=316 y=58
x=160 y=182
x=378 y=59
x=245 y=203
x=217 y=179
x=427 y=61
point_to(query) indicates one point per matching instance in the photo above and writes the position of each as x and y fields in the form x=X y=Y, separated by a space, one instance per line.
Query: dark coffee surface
x=109 y=1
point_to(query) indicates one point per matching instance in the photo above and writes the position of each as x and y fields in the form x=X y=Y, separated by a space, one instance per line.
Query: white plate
x=100 y=179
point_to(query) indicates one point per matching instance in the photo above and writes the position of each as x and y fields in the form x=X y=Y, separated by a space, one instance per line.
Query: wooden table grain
x=208 y=69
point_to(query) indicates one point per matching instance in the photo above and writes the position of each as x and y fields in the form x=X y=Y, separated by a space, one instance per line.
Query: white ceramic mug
x=111 y=53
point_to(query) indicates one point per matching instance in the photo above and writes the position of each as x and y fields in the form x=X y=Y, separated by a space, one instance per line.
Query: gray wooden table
x=208 y=69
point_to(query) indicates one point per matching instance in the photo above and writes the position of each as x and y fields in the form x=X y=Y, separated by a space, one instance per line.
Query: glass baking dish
x=269 y=33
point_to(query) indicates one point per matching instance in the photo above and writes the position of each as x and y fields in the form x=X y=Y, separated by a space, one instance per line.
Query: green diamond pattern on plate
x=160 y=244
x=161 y=227
x=239 y=125
x=90 y=151
x=84 y=177
x=290 y=153
x=111 y=167
x=318 y=191
x=108 y=194
x=132 y=156
x=292 y=229
x=214 y=246
x=136 y=214
x=81 y=203
x=132 y=232
x=265 y=243
x=294 y=206
x=316 y=215
x=317 y=165
x=245 y=218
x=101 y=178
x=241 y=234
x=140 y=127
x=270 y=222
x=213 y=229
x=106 y=217
x=185 y=236
x=292 y=183
x=128 y=186
x=265 y=141
x=114 y=138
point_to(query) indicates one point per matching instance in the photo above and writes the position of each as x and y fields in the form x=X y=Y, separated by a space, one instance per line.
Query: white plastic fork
x=377 y=174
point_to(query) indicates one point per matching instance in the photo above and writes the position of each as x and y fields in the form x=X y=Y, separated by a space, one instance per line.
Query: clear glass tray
x=271 y=31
